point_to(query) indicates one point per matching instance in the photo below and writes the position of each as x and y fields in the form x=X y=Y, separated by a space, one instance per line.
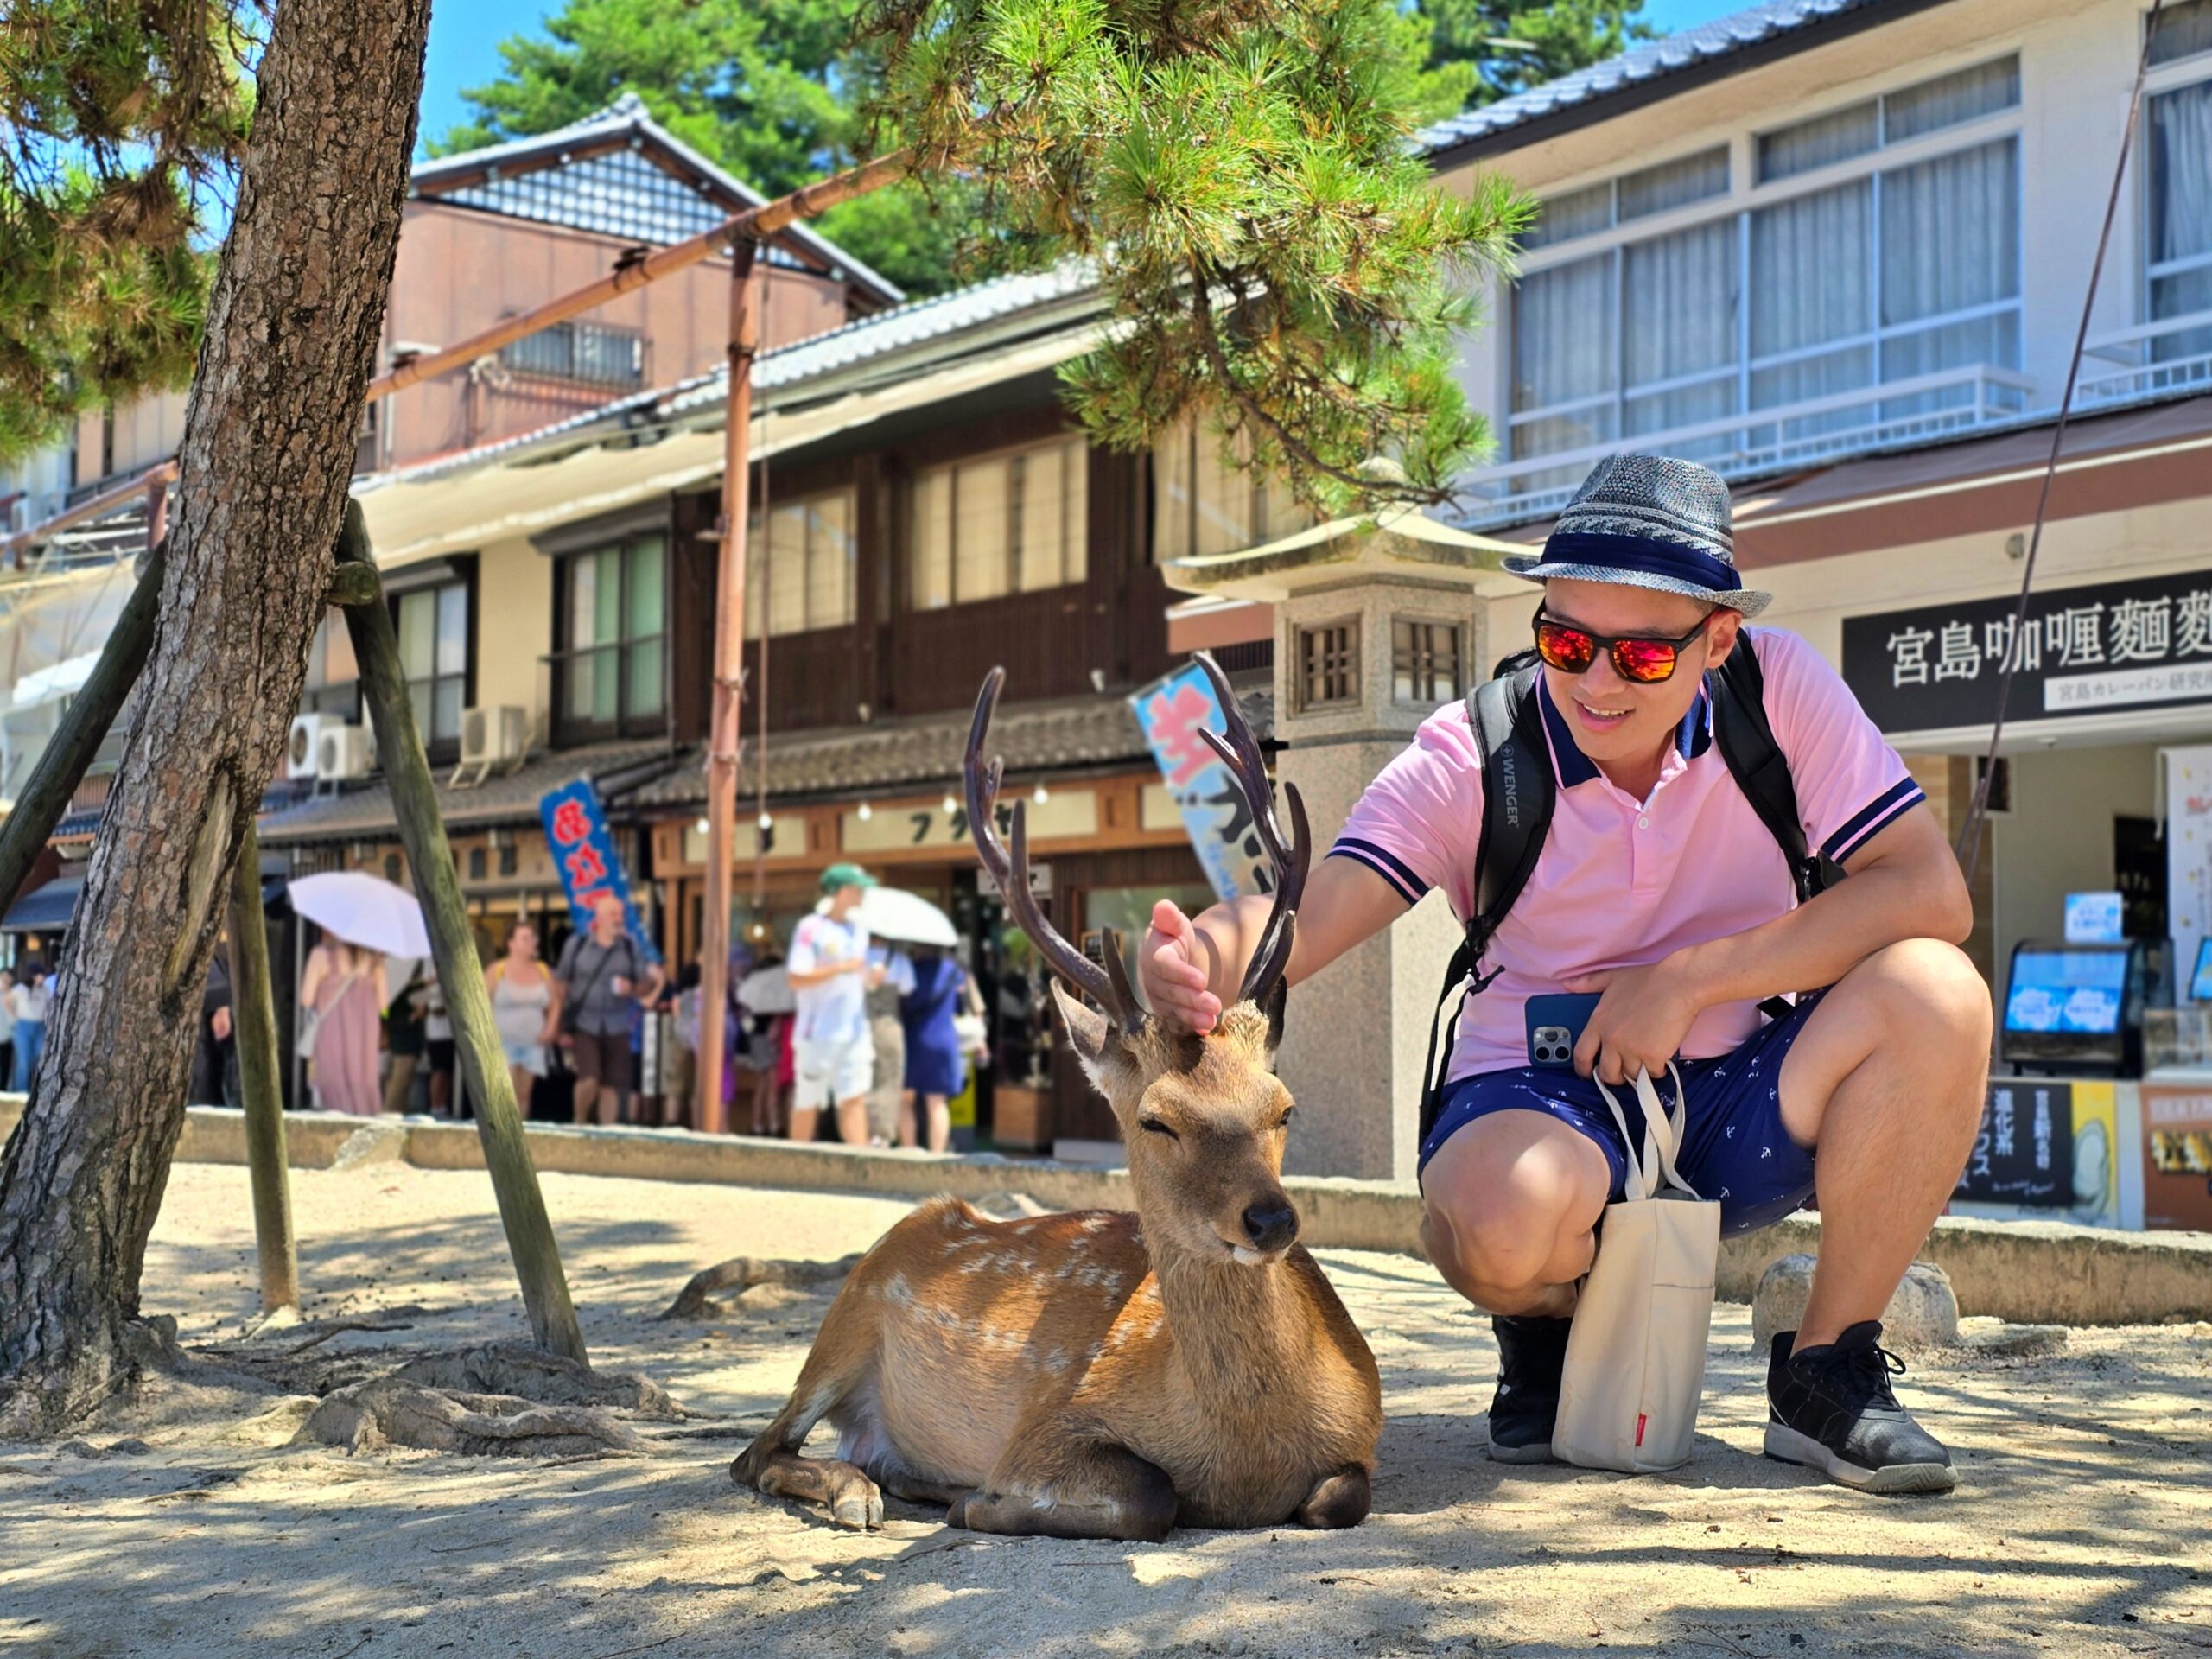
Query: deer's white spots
x=1094 y=1223
x=896 y=1291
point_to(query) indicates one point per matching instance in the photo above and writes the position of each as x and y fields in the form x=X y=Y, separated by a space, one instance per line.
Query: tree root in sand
x=748 y=1273
x=386 y=1412
x=491 y=1402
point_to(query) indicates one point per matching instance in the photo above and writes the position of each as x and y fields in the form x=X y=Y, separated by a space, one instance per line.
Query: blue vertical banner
x=1172 y=712
x=590 y=864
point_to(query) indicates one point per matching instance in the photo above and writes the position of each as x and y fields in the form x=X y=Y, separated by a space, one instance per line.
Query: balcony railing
x=1812 y=429
x=2173 y=354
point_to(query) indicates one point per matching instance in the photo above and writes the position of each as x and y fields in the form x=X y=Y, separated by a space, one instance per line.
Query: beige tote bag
x=1636 y=1354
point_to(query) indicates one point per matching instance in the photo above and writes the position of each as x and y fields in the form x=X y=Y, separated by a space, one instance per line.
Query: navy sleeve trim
x=1884 y=811
x=1408 y=887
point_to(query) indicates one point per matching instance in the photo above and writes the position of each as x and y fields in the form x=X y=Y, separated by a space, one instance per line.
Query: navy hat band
x=1644 y=554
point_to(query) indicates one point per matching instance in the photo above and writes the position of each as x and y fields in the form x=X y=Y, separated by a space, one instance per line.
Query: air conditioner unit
x=344 y=751
x=493 y=736
x=303 y=749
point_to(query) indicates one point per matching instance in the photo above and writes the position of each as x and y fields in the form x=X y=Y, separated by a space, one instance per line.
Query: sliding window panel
x=1679 y=299
x=1950 y=244
x=1812 y=300
x=2178 y=157
x=929 y=541
x=980 y=550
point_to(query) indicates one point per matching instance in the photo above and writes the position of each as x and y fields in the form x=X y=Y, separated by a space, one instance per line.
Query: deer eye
x=1283 y=1122
x=1154 y=1126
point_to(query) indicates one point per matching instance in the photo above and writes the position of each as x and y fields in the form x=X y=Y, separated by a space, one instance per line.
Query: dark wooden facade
x=894 y=660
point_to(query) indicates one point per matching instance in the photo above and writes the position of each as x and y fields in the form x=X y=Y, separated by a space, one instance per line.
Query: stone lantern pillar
x=1379 y=618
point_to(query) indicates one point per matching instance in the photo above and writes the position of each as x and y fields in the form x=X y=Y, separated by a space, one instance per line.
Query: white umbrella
x=363 y=910
x=888 y=913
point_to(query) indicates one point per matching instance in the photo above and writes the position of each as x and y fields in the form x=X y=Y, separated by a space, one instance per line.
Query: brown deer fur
x=1103 y=1374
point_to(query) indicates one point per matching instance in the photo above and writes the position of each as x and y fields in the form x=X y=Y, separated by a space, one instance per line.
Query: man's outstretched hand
x=1171 y=972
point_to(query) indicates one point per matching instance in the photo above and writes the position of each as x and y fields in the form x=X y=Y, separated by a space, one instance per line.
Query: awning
x=44 y=909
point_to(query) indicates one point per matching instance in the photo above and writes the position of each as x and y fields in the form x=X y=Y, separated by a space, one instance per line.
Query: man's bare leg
x=1512 y=1202
x=587 y=1094
x=803 y=1120
x=1886 y=1081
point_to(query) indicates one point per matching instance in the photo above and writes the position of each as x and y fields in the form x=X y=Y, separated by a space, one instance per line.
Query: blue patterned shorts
x=1735 y=1149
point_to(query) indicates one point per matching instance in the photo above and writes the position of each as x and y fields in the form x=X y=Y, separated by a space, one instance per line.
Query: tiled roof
x=1704 y=47
x=499 y=799
x=907 y=327
x=925 y=753
x=614 y=192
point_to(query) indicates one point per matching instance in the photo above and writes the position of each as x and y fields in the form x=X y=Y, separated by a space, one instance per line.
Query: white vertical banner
x=2189 y=857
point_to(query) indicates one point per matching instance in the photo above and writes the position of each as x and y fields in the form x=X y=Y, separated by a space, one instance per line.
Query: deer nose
x=1271 y=1225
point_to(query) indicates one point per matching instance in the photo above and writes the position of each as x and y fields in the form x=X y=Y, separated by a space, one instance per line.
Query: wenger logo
x=1512 y=788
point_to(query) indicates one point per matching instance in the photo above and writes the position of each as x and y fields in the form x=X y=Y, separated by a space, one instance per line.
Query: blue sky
x=465 y=37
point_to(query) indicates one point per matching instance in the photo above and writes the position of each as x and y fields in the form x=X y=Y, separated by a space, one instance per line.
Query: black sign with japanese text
x=2141 y=644
x=2024 y=1152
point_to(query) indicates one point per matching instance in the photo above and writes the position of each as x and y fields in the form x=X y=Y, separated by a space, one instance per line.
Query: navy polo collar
x=1691 y=738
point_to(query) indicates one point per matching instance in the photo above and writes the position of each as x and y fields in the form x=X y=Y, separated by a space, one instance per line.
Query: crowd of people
x=871 y=1040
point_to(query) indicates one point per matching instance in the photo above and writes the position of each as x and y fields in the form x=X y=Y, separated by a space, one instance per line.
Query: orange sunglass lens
x=1566 y=649
x=1644 y=660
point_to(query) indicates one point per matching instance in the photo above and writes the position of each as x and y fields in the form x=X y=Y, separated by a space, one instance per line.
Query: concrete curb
x=2035 y=1273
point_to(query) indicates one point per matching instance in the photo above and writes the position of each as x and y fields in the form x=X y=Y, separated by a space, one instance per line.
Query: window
x=2183 y=31
x=333 y=683
x=1328 y=665
x=613 y=605
x=1015 y=522
x=1904 y=273
x=1208 y=499
x=801 y=568
x=1633 y=195
x=433 y=625
x=2177 y=177
x=1424 y=662
x=589 y=353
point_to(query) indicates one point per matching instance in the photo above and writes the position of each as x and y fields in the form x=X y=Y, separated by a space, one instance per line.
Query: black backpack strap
x=1517 y=800
x=1746 y=741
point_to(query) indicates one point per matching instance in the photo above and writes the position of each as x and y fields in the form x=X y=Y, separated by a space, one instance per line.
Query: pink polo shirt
x=1622 y=882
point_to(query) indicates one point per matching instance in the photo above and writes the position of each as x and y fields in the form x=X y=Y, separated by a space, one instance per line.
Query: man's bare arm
x=1191 y=969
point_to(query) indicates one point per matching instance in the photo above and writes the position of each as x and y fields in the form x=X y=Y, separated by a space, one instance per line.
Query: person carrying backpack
x=1660 y=805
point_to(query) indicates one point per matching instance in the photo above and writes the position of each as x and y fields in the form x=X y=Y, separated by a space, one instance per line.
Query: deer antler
x=1240 y=752
x=1109 y=990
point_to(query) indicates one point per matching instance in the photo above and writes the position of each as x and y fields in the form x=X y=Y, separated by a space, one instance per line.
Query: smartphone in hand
x=1555 y=1023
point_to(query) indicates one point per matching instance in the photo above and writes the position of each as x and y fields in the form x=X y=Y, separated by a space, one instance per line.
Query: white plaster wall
x=514 y=627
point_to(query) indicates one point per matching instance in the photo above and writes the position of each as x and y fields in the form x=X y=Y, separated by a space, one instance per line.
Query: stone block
x=1924 y=1314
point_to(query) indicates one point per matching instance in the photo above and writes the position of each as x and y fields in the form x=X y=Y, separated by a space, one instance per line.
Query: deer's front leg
x=1338 y=1500
x=1095 y=1490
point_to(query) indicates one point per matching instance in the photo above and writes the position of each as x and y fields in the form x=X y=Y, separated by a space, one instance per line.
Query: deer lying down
x=1104 y=1374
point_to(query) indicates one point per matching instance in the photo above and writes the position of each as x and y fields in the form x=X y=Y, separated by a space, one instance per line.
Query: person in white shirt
x=29 y=1003
x=833 y=1056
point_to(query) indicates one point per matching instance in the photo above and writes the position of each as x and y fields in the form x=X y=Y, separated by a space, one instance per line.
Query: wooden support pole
x=476 y=1039
x=78 y=739
x=253 y=1028
x=726 y=730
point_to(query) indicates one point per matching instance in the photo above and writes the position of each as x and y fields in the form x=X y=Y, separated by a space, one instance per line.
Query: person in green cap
x=833 y=1056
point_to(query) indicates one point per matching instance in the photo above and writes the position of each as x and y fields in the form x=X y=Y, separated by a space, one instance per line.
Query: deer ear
x=1096 y=1043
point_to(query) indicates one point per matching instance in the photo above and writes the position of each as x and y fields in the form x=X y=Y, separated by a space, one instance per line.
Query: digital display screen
x=2067 y=991
x=2200 y=982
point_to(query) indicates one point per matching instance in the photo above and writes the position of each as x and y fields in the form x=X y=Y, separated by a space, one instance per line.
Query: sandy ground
x=2082 y=1525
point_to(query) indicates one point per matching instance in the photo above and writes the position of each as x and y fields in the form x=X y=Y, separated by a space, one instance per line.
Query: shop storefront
x=1103 y=851
x=2094 y=868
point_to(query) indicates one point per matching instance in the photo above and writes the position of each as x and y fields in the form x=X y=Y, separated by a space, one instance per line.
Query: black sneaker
x=1531 y=1355
x=1831 y=1408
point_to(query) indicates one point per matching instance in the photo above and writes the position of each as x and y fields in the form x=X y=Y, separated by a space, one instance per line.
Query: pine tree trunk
x=268 y=443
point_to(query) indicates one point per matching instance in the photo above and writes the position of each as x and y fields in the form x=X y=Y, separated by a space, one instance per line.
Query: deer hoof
x=1340 y=1500
x=857 y=1503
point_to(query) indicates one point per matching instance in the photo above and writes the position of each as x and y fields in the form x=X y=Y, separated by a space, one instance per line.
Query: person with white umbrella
x=364 y=918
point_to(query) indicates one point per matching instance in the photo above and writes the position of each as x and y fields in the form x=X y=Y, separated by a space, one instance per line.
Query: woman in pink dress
x=345 y=985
